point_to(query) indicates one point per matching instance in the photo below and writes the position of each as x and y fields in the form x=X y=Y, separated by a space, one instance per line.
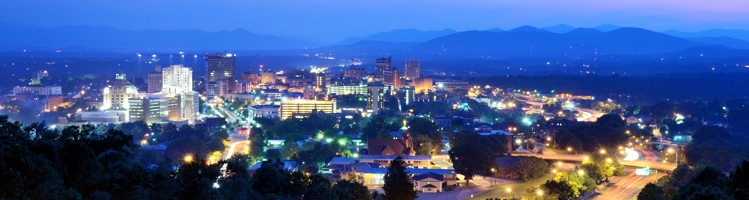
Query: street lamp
x=603 y=151
x=493 y=175
x=581 y=172
x=676 y=155
x=540 y=193
x=188 y=158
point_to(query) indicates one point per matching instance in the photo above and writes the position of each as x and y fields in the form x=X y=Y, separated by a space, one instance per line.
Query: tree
x=652 y=192
x=457 y=123
x=398 y=183
x=195 y=180
x=530 y=167
x=372 y=128
x=421 y=126
x=706 y=133
x=560 y=188
x=288 y=149
x=579 y=183
x=423 y=145
x=384 y=134
x=738 y=183
x=470 y=160
x=345 y=190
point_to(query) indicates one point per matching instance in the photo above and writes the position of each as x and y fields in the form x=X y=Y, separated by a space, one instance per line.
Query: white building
x=37 y=89
x=177 y=79
x=116 y=96
x=216 y=89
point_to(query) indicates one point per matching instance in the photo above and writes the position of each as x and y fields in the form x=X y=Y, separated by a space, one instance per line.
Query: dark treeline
x=641 y=89
x=79 y=163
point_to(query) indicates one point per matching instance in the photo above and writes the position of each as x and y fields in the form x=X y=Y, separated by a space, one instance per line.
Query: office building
x=355 y=72
x=392 y=77
x=450 y=85
x=184 y=107
x=216 y=89
x=375 y=96
x=38 y=89
x=345 y=89
x=148 y=108
x=155 y=80
x=116 y=95
x=382 y=65
x=303 y=108
x=177 y=79
x=406 y=95
x=412 y=69
x=220 y=67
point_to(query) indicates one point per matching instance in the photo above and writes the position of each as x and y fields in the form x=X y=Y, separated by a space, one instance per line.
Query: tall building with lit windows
x=382 y=65
x=177 y=79
x=220 y=67
x=412 y=69
x=155 y=80
x=116 y=95
x=375 y=96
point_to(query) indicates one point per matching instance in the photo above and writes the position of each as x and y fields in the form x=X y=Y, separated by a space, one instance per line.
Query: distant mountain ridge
x=400 y=35
x=156 y=40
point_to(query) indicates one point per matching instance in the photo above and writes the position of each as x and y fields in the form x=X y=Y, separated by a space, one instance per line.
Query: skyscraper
x=413 y=69
x=220 y=67
x=177 y=79
x=382 y=65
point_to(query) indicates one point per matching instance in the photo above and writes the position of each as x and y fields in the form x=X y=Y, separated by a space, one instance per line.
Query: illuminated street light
x=540 y=193
x=581 y=172
x=188 y=158
x=559 y=163
x=603 y=151
x=608 y=160
x=569 y=149
x=508 y=190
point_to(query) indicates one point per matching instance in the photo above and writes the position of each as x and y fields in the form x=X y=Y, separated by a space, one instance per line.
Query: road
x=627 y=187
x=580 y=158
x=589 y=115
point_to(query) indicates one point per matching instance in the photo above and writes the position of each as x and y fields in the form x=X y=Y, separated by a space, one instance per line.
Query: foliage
x=607 y=132
x=345 y=190
x=652 y=192
x=531 y=168
x=423 y=145
x=398 y=183
x=578 y=183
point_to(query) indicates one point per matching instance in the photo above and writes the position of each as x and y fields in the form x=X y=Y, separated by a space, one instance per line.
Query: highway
x=627 y=187
x=580 y=158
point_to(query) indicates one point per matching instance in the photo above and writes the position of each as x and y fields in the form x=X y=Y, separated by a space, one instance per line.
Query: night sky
x=331 y=20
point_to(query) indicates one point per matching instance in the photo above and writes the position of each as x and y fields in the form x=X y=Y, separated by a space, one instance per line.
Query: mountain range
x=558 y=40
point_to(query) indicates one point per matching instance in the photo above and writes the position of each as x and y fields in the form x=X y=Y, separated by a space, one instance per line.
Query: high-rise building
x=301 y=108
x=177 y=80
x=38 y=89
x=155 y=80
x=320 y=81
x=412 y=69
x=375 y=96
x=220 y=67
x=392 y=77
x=406 y=95
x=382 y=65
x=116 y=96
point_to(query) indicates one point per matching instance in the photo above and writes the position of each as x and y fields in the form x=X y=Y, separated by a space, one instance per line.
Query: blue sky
x=332 y=20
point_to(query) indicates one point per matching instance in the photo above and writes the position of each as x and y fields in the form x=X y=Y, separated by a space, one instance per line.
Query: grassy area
x=518 y=189
x=558 y=151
